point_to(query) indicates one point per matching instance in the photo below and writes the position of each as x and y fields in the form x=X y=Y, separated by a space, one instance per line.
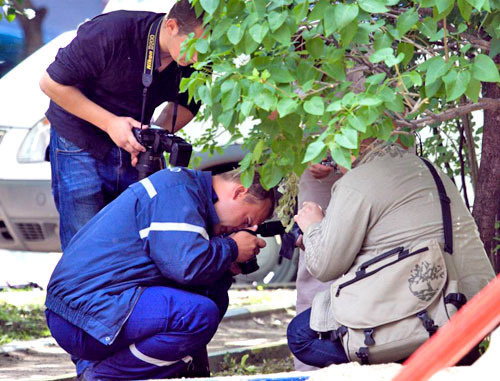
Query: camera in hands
x=156 y=140
x=270 y=229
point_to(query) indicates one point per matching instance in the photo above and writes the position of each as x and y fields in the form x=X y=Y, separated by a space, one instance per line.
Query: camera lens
x=249 y=266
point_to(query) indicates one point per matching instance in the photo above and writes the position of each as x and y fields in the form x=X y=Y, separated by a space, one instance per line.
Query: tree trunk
x=487 y=198
x=32 y=29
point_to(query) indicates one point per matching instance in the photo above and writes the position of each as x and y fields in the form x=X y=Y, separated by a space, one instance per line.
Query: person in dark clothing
x=96 y=90
x=142 y=287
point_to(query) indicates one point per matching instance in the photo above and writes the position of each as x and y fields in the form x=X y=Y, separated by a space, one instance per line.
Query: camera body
x=270 y=229
x=156 y=140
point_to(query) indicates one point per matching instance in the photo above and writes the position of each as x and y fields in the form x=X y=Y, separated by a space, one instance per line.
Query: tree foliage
x=290 y=64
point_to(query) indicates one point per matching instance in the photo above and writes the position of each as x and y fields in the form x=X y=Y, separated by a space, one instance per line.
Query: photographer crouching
x=142 y=287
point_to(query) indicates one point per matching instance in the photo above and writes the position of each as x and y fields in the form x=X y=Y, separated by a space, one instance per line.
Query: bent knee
x=208 y=316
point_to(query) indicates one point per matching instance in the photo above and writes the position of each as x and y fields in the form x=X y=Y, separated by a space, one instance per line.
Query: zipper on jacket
x=362 y=274
x=141 y=290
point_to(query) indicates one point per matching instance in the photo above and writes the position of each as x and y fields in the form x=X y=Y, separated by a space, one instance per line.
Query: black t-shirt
x=106 y=61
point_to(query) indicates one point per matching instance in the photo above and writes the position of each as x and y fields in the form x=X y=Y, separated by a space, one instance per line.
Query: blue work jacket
x=157 y=232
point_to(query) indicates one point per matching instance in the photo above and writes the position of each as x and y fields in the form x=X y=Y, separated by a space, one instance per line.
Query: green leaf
x=271 y=174
x=393 y=61
x=484 y=69
x=231 y=95
x=300 y=11
x=342 y=156
x=345 y=14
x=373 y=6
x=221 y=28
x=478 y=4
x=381 y=55
x=209 y=5
x=282 y=35
x=314 y=149
x=235 y=34
x=280 y=74
x=315 y=106
x=347 y=34
x=473 y=90
x=246 y=161
x=266 y=100
x=348 y=138
x=316 y=47
x=428 y=27
x=356 y=123
x=226 y=117
x=247 y=177
x=465 y=9
x=369 y=100
x=276 y=20
x=329 y=21
x=406 y=21
x=204 y=94
x=257 y=151
x=201 y=45
x=318 y=11
x=436 y=69
x=384 y=129
x=258 y=32
x=494 y=47
x=286 y=106
x=415 y=78
x=335 y=70
x=335 y=106
x=443 y=5
x=455 y=84
x=246 y=107
x=375 y=79
x=408 y=51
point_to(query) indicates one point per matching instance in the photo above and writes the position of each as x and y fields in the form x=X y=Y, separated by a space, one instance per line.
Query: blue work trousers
x=166 y=329
x=82 y=185
x=308 y=347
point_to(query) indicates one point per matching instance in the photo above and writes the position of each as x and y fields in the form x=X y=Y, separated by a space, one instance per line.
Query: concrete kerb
x=256 y=353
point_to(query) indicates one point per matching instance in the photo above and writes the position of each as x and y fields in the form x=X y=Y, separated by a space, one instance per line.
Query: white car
x=28 y=217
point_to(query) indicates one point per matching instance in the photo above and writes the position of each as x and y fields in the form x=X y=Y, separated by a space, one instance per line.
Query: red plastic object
x=455 y=339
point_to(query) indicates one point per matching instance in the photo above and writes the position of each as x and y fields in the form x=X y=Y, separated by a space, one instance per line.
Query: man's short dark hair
x=184 y=13
x=256 y=192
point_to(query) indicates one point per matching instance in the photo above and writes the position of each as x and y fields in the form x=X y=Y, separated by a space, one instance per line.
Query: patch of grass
x=22 y=323
x=230 y=366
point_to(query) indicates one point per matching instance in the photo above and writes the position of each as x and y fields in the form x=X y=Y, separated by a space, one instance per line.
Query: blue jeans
x=306 y=345
x=82 y=185
x=166 y=326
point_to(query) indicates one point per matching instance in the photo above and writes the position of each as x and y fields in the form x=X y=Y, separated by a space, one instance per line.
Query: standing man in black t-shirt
x=96 y=90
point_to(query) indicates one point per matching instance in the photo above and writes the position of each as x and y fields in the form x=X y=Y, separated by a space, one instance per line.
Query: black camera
x=270 y=229
x=156 y=140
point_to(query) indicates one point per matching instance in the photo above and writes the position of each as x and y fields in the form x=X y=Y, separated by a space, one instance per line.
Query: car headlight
x=35 y=143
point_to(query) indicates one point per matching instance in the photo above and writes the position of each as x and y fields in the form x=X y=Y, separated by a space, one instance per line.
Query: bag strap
x=445 y=208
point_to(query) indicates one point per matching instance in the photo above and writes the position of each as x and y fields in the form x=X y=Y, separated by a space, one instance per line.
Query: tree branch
x=483 y=104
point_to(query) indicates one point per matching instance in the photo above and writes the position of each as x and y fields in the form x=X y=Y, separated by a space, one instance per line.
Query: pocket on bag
x=391 y=288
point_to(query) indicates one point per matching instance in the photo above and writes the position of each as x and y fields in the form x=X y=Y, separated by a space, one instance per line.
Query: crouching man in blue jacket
x=142 y=287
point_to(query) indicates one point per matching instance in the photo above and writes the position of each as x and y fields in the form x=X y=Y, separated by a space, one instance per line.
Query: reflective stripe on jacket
x=157 y=232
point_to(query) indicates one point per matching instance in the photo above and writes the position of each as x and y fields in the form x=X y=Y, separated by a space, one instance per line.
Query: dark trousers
x=306 y=345
x=166 y=329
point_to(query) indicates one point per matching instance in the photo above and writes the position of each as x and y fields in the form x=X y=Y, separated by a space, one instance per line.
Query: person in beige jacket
x=388 y=199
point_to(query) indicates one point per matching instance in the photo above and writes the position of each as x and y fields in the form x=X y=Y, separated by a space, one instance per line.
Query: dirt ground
x=46 y=360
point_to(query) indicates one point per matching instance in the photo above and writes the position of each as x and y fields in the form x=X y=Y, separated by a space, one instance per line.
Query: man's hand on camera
x=235 y=269
x=120 y=131
x=320 y=171
x=249 y=245
x=309 y=214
